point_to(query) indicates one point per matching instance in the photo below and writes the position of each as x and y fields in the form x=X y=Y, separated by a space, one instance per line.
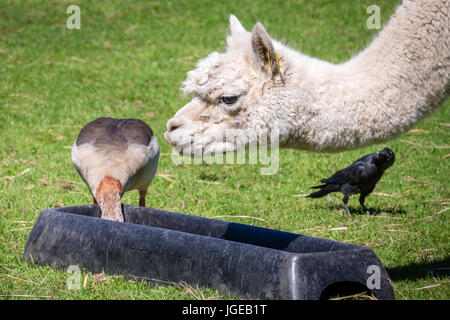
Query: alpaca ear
x=236 y=26
x=263 y=48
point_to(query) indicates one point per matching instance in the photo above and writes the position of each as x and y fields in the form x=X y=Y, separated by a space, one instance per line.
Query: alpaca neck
x=383 y=91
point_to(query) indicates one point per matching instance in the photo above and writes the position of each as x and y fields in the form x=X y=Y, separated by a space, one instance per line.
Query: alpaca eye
x=229 y=99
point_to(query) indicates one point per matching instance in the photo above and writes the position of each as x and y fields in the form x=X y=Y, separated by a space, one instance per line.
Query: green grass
x=128 y=60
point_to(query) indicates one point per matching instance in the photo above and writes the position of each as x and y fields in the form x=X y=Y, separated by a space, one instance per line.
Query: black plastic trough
x=167 y=247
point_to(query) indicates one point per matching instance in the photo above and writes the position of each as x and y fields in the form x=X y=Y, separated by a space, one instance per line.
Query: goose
x=113 y=156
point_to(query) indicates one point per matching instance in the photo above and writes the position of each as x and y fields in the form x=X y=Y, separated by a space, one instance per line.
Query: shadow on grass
x=358 y=210
x=378 y=211
x=416 y=271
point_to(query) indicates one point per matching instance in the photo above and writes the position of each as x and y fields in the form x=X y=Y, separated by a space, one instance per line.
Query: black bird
x=359 y=177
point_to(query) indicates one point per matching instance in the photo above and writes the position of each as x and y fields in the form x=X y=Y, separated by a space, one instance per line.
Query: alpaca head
x=232 y=94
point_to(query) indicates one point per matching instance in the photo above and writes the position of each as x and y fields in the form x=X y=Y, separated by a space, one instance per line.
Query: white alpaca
x=312 y=104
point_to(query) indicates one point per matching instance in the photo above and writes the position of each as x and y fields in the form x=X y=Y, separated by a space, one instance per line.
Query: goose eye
x=229 y=99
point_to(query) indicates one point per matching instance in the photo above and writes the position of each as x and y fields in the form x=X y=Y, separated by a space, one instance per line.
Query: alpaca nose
x=173 y=124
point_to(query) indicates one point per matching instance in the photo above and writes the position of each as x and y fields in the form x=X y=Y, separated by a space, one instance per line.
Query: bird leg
x=345 y=200
x=142 y=198
x=362 y=198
